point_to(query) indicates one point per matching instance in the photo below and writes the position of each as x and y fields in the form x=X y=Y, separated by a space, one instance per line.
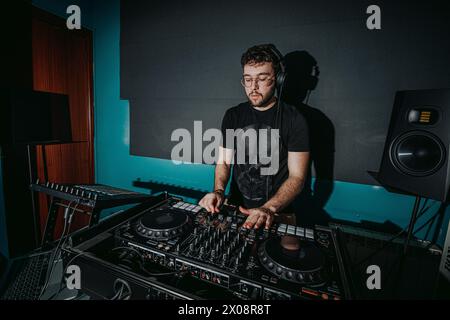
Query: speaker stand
x=412 y=223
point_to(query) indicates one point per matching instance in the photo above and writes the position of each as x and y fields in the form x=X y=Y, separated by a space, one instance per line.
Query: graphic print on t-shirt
x=248 y=186
x=254 y=186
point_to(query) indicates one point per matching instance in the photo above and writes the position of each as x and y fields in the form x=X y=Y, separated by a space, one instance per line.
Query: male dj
x=262 y=196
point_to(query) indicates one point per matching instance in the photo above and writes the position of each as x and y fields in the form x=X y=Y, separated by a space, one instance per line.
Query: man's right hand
x=212 y=201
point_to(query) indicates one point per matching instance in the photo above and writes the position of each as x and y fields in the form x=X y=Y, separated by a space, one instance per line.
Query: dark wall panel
x=180 y=63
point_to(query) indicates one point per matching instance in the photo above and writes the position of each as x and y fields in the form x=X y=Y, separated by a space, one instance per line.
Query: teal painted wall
x=115 y=166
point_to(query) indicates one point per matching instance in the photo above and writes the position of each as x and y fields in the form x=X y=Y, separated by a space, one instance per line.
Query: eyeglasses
x=263 y=81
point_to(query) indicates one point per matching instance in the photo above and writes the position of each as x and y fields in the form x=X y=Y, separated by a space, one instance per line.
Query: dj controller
x=184 y=241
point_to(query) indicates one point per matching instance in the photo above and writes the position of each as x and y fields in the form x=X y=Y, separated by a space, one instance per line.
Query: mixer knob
x=47 y=184
x=264 y=259
x=158 y=233
x=213 y=254
x=67 y=189
x=95 y=196
x=173 y=232
x=71 y=190
x=52 y=185
x=82 y=193
x=195 y=231
x=191 y=247
x=166 y=234
x=289 y=275
x=270 y=265
x=236 y=262
x=300 y=277
x=201 y=251
x=279 y=270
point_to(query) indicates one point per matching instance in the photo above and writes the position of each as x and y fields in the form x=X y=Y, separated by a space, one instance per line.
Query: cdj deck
x=182 y=241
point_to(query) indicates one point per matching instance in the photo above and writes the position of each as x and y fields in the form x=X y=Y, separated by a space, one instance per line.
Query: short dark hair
x=259 y=54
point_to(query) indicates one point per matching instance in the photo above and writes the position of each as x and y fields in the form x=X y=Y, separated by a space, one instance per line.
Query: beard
x=261 y=102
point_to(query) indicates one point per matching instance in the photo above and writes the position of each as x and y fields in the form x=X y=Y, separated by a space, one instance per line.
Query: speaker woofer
x=417 y=153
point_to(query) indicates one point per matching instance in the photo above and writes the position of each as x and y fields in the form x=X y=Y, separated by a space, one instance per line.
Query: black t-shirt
x=248 y=186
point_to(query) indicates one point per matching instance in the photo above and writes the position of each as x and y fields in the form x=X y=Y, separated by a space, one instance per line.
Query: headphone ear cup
x=280 y=80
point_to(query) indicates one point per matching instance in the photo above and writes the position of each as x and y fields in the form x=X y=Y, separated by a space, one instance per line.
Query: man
x=260 y=196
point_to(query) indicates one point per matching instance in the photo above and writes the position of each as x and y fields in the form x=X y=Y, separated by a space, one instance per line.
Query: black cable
x=64 y=237
x=64 y=272
x=56 y=251
x=400 y=262
x=118 y=294
x=142 y=268
x=422 y=211
x=307 y=97
x=278 y=125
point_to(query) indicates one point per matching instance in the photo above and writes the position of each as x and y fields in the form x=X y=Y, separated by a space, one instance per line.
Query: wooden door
x=62 y=63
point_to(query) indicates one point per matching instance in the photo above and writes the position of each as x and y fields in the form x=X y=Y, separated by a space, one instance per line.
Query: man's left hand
x=257 y=217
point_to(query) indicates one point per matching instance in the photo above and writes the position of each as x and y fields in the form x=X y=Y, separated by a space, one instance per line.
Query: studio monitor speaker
x=416 y=152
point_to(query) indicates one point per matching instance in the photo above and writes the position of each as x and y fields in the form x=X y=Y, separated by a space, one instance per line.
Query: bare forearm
x=222 y=174
x=285 y=194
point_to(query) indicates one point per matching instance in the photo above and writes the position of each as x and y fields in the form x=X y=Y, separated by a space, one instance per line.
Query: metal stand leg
x=50 y=224
x=412 y=222
x=95 y=217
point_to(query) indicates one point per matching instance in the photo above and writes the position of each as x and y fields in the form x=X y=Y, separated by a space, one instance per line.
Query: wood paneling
x=62 y=63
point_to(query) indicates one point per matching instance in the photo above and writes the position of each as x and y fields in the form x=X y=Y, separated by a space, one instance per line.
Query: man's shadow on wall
x=302 y=78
